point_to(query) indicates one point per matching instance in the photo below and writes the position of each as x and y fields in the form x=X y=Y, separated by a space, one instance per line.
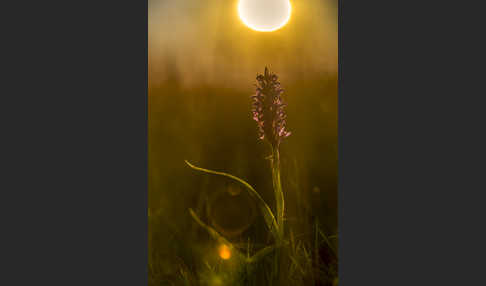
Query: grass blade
x=329 y=244
x=261 y=253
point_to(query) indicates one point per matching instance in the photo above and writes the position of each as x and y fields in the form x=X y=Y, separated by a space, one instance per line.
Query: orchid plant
x=268 y=110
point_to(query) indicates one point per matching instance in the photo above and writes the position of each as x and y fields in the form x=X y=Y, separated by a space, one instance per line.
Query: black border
x=74 y=110
x=410 y=148
x=74 y=134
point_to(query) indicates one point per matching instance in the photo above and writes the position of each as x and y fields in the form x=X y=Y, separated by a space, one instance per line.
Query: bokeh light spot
x=224 y=252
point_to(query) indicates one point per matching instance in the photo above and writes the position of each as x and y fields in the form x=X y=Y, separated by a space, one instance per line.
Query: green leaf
x=264 y=208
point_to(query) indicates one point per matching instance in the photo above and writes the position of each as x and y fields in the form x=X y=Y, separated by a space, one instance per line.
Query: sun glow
x=264 y=15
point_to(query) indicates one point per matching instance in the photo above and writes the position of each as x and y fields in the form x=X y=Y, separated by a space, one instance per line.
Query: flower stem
x=277 y=187
x=279 y=201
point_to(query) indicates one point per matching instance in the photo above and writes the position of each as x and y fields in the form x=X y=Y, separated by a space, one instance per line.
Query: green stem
x=277 y=187
x=280 y=208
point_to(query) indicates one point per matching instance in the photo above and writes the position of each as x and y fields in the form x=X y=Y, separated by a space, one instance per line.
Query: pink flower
x=268 y=109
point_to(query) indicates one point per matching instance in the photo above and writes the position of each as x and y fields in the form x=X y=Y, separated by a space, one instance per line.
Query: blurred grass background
x=202 y=67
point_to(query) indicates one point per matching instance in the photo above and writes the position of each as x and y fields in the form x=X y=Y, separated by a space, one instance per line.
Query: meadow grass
x=183 y=250
x=307 y=259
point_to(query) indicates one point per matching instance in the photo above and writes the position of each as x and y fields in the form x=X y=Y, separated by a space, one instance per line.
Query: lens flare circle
x=264 y=15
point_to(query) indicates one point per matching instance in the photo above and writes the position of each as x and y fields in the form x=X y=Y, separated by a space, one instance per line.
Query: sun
x=264 y=15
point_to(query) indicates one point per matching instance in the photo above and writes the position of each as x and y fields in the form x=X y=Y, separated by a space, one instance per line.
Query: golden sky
x=205 y=42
